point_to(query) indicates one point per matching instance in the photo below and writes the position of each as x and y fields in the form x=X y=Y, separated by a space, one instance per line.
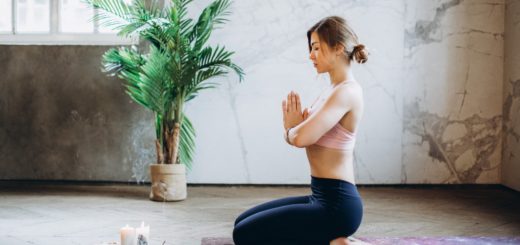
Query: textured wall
x=453 y=68
x=511 y=139
x=432 y=85
x=61 y=118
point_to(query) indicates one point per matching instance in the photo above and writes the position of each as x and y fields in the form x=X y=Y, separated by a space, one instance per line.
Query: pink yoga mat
x=456 y=240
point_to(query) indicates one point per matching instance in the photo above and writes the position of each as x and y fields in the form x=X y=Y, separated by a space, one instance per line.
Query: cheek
x=323 y=59
x=319 y=56
x=330 y=59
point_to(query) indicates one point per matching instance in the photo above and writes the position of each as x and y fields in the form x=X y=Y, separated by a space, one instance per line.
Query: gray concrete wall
x=511 y=138
x=61 y=117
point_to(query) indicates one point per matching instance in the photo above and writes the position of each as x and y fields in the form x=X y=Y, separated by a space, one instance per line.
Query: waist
x=330 y=163
x=328 y=187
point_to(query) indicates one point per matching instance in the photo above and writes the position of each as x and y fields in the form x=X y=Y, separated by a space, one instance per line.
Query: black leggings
x=334 y=209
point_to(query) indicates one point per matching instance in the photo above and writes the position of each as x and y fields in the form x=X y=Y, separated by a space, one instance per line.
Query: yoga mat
x=454 y=240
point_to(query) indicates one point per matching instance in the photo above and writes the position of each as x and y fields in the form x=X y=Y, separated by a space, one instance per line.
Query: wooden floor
x=50 y=213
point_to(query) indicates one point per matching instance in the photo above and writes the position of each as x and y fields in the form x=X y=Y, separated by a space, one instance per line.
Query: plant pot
x=168 y=182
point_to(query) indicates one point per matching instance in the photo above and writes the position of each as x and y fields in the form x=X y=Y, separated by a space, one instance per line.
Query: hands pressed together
x=292 y=112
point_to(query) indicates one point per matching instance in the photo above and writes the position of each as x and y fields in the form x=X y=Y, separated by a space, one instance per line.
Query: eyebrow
x=314 y=43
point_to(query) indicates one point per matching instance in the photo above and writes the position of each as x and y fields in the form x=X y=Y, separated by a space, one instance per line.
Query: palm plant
x=177 y=65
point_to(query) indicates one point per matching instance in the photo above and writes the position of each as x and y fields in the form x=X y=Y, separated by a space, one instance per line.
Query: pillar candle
x=128 y=235
x=142 y=234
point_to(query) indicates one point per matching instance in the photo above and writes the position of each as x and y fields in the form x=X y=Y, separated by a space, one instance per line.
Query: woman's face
x=321 y=54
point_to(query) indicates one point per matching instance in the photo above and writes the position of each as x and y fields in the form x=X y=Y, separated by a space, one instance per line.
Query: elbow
x=301 y=142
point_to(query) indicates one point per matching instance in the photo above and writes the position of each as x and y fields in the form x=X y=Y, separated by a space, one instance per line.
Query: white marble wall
x=240 y=125
x=453 y=66
x=432 y=84
x=511 y=139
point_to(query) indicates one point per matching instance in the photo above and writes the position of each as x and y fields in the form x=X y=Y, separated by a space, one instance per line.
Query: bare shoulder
x=355 y=86
x=349 y=91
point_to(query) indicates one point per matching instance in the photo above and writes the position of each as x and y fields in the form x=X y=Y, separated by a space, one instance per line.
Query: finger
x=284 y=107
x=293 y=101
x=298 y=105
x=289 y=102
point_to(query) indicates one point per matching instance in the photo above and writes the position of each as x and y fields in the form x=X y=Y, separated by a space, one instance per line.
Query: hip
x=340 y=200
x=335 y=194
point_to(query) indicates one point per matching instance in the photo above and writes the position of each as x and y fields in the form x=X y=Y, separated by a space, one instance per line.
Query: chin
x=320 y=70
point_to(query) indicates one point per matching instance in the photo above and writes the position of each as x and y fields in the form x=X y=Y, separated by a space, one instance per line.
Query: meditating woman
x=327 y=131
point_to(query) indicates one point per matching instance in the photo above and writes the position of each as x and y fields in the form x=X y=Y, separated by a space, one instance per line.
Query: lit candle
x=142 y=234
x=128 y=236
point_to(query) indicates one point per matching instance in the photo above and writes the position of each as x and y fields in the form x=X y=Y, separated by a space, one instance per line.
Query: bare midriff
x=331 y=163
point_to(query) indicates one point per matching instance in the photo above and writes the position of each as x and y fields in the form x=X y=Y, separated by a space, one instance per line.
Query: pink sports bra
x=337 y=137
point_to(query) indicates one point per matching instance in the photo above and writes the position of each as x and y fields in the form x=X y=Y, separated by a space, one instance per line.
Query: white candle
x=142 y=234
x=128 y=235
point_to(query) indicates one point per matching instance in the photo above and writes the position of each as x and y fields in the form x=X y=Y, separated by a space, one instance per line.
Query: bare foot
x=348 y=241
x=340 y=241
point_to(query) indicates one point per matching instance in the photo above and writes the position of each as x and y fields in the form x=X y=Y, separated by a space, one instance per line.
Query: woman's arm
x=323 y=119
x=293 y=104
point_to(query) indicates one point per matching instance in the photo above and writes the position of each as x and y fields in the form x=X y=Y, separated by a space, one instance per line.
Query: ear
x=339 y=49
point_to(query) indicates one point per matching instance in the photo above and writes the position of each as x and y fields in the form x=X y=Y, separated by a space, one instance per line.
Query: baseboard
x=5 y=182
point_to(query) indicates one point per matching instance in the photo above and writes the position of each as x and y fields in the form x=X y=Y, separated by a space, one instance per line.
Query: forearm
x=285 y=136
x=290 y=135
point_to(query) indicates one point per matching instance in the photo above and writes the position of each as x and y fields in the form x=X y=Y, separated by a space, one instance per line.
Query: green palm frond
x=128 y=19
x=182 y=7
x=200 y=83
x=210 y=57
x=153 y=77
x=187 y=142
x=159 y=127
x=149 y=23
x=220 y=9
x=145 y=76
x=112 y=13
x=210 y=18
x=124 y=58
x=177 y=14
x=126 y=63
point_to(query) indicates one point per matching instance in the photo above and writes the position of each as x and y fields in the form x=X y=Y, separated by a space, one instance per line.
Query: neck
x=340 y=75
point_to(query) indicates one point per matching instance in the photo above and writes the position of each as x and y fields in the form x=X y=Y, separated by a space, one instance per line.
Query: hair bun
x=360 y=54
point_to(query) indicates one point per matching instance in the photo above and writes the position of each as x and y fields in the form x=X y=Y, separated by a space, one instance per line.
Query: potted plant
x=175 y=67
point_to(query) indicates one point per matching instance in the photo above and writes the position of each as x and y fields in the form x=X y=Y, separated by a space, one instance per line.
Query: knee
x=236 y=221
x=244 y=235
x=240 y=218
x=238 y=235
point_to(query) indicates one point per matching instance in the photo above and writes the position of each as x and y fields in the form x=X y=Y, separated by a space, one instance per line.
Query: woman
x=327 y=131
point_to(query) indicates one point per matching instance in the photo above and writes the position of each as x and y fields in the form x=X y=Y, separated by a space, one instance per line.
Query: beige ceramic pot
x=168 y=182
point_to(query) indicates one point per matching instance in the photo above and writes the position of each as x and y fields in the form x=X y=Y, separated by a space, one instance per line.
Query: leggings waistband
x=324 y=186
x=330 y=181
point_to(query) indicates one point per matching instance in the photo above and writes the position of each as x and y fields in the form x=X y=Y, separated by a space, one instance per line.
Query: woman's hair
x=334 y=30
